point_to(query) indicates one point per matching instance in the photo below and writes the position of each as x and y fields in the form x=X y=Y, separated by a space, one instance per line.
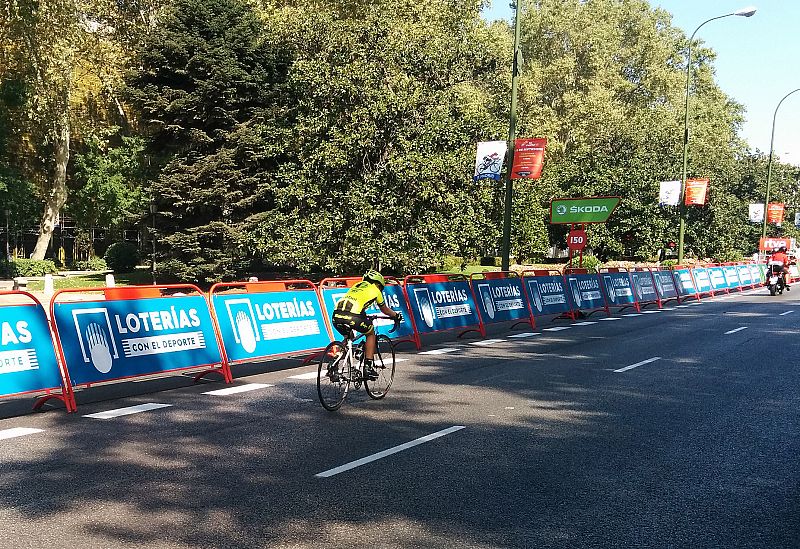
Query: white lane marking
x=127 y=411
x=443 y=351
x=584 y=323
x=736 y=330
x=240 y=389
x=633 y=314
x=307 y=375
x=642 y=363
x=18 y=432
x=555 y=329
x=389 y=452
x=486 y=342
x=786 y=313
x=651 y=312
x=681 y=306
x=526 y=334
x=668 y=309
x=609 y=318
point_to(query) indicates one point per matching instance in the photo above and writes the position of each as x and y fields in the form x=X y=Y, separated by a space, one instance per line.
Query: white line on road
x=443 y=351
x=389 y=452
x=555 y=329
x=127 y=411
x=584 y=323
x=681 y=306
x=241 y=388
x=642 y=363
x=307 y=375
x=736 y=330
x=609 y=318
x=486 y=342
x=526 y=334
x=786 y=313
x=18 y=432
x=633 y=314
x=651 y=312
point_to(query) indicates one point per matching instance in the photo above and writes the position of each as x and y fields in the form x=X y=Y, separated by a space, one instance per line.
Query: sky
x=758 y=61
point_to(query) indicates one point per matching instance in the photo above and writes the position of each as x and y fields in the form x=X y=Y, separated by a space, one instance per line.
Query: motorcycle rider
x=779 y=257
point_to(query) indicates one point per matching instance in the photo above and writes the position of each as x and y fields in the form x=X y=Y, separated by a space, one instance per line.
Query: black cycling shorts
x=344 y=321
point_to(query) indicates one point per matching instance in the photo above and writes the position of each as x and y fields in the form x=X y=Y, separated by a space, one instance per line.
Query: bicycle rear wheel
x=384 y=366
x=333 y=376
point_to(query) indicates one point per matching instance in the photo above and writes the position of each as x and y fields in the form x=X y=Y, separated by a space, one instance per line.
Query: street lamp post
x=769 y=164
x=154 y=210
x=8 y=235
x=512 y=132
x=744 y=12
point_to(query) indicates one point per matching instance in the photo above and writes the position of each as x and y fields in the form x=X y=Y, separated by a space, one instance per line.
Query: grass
x=93 y=281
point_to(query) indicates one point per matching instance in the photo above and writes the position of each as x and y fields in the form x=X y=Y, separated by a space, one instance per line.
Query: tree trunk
x=57 y=193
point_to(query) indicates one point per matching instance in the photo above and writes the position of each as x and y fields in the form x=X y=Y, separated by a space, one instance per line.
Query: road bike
x=342 y=364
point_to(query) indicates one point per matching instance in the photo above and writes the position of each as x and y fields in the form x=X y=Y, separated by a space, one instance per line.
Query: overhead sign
x=772 y=243
x=489 y=160
x=775 y=213
x=696 y=190
x=528 y=158
x=565 y=211
x=669 y=193
x=756 y=213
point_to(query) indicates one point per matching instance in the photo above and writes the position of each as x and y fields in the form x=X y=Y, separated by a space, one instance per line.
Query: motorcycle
x=776 y=278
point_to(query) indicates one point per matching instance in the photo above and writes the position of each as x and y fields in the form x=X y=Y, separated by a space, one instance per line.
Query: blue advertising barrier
x=584 y=291
x=665 y=285
x=702 y=281
x=757 y=272
x=333 y=289
x=28 y=361
x=717 y=277
x=732 y=277
x=685 y=284
x=441 y=302
x=268 y=319
x=500 y=297
x=547 y=294
x=618 y=288
x=126 y=336
x=745 y=277
x=644 y=285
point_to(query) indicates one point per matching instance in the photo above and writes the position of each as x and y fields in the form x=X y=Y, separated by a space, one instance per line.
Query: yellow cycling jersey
x=360 y=297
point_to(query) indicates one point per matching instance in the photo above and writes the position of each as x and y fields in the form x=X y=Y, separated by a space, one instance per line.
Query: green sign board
x=582 y=210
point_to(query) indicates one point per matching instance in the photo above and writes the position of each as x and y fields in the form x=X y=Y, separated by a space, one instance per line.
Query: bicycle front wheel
x=384 y=366
x=333 y=376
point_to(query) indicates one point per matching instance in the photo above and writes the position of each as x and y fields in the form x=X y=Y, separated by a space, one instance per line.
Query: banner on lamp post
x=528 y=158
x=696 y=190
x=775 y=213
x=669 y=193
x=756 y=214
x=489 y=160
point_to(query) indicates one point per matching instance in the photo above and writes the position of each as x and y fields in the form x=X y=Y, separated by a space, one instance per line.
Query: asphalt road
x=676 y=428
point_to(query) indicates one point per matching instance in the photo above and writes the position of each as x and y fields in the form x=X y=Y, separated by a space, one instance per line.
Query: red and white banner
x=775 y=213
x=695 y=193
x=528 y=158
x=773 y=243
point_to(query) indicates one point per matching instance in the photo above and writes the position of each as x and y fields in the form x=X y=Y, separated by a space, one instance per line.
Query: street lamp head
x=746 y=12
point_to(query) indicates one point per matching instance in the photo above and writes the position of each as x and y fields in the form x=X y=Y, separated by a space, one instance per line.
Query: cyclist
x=350 y=313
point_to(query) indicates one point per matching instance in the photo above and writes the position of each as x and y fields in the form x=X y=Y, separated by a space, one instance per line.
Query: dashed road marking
x=555 y=329
x=18 y=432
x=388 y=452
x=786 y=313
x=642 y=363
x=486 y=342
x=609 y=318
x=110 y=414
x=584 y=323
x=526 y=334
x=241 y=389
x=633 y=314
x=442 y=351
x=736 y=330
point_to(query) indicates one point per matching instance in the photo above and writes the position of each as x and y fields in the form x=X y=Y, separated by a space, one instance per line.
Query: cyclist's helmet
x=374 y=276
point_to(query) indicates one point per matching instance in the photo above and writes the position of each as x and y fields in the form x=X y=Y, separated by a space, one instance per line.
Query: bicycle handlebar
x=396 y=322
